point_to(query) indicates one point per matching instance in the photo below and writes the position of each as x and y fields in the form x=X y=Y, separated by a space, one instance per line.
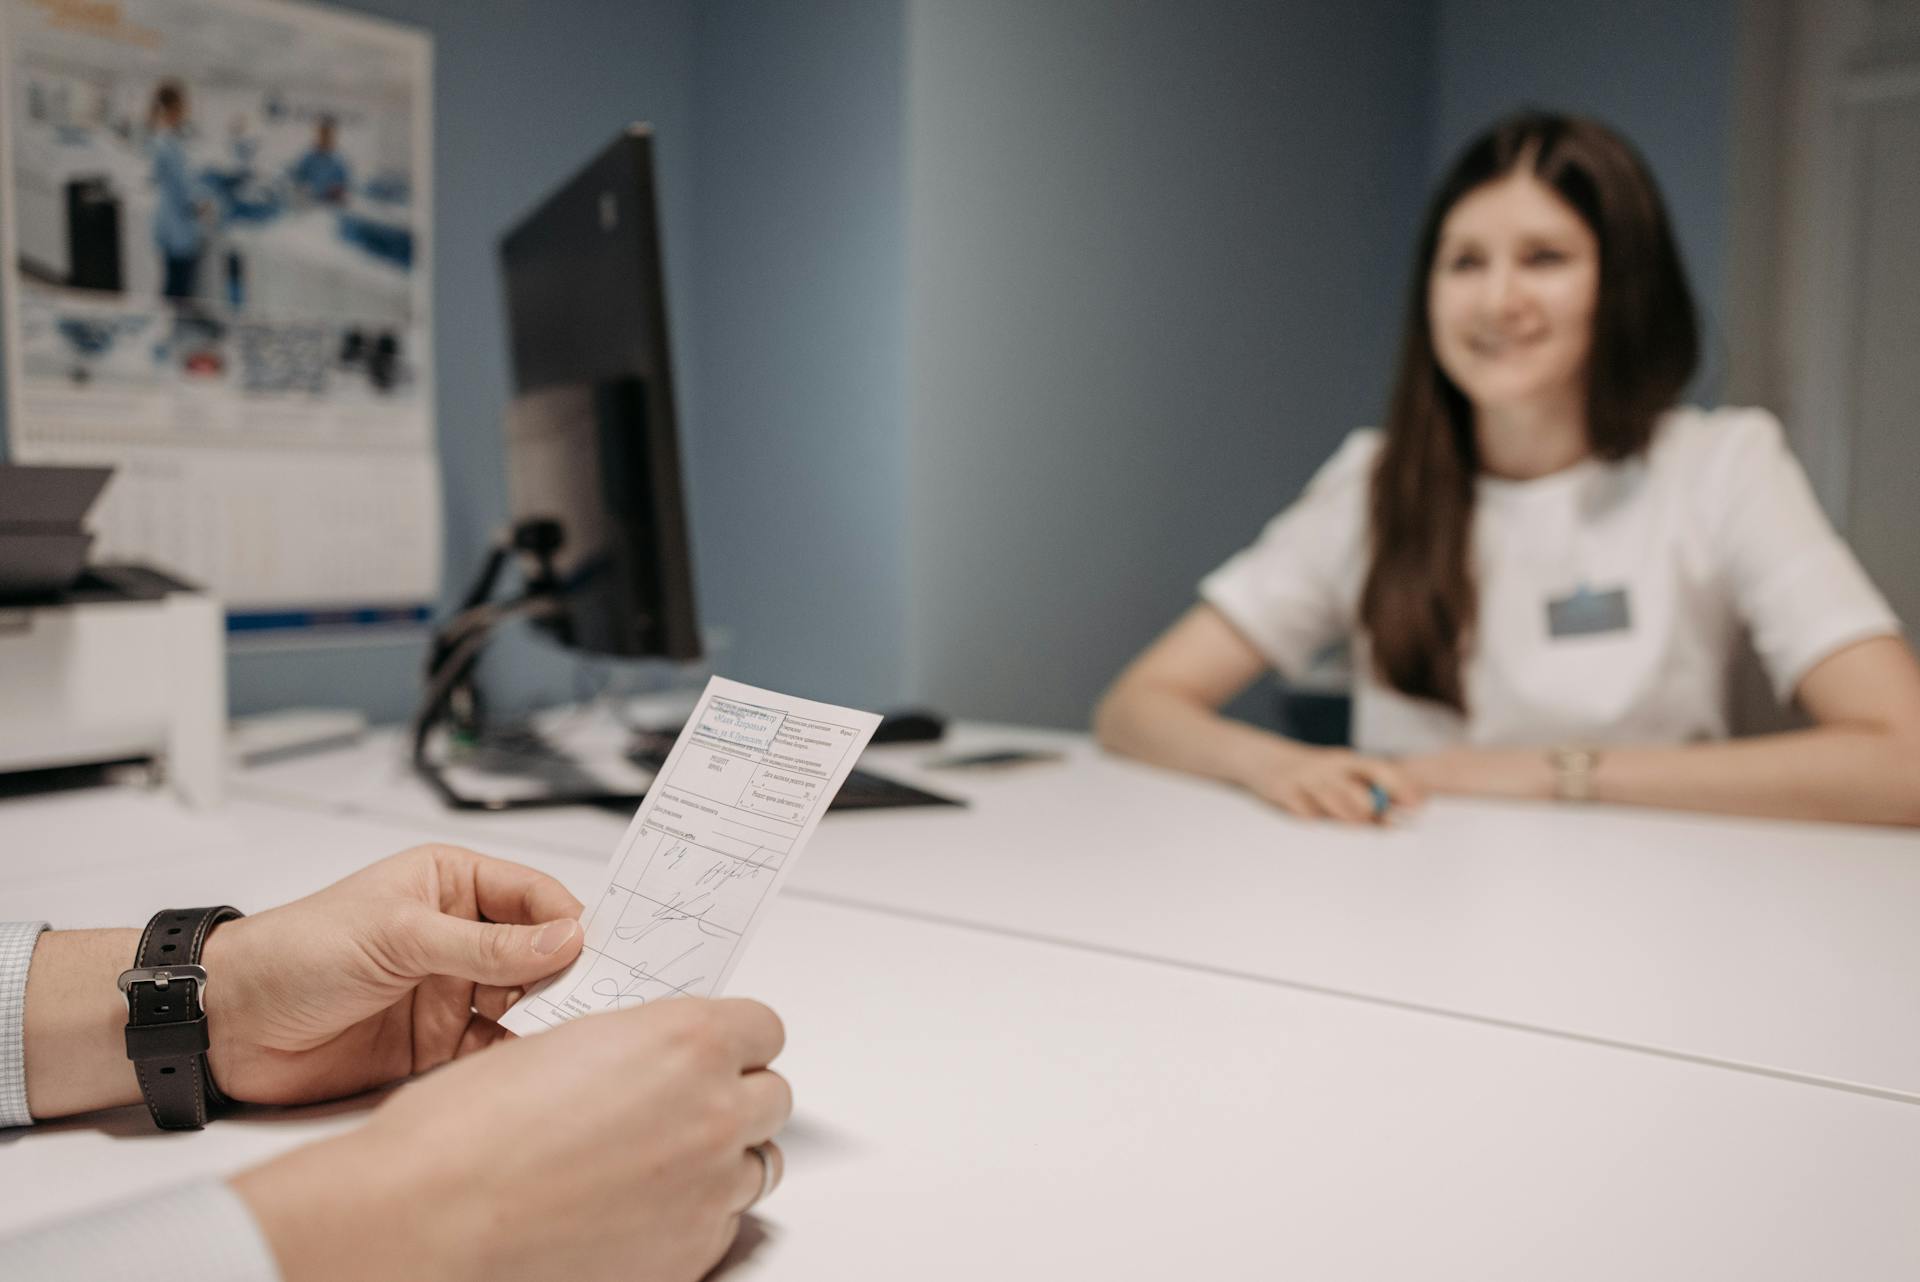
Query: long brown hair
x=1419 y=602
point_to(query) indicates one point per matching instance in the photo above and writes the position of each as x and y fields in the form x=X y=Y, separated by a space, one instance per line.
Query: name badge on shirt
x=1588 y=613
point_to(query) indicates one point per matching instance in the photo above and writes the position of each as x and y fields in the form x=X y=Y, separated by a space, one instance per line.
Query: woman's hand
x=1165 y=709
x=1519 y=773
x=614 y=1146
x=378 y=976
x=1333 y=783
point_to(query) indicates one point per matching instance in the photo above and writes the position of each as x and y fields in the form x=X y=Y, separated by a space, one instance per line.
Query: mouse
x=910 y=725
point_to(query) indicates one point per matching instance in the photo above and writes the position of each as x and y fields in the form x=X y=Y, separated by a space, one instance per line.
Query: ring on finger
x=766 y=1174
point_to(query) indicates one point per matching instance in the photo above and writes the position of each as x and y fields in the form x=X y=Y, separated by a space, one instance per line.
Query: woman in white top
x=1542 y=566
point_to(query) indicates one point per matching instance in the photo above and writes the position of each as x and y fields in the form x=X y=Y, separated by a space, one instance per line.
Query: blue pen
x=1382 y=802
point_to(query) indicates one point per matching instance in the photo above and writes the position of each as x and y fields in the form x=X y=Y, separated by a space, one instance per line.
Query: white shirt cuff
x=17 y=940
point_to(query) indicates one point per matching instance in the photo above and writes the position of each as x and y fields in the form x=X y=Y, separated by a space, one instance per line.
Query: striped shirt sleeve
x=17 y=940
x=210 y=1235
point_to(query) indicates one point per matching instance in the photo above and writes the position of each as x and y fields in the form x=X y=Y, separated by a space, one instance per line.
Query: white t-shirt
x=1714 y=527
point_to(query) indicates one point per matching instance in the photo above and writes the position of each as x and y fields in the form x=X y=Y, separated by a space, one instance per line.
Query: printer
x=101 y=665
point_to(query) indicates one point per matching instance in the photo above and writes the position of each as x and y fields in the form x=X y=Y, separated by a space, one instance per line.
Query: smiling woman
x=1543 y=564
x=1551 y=321
x=1512 y=294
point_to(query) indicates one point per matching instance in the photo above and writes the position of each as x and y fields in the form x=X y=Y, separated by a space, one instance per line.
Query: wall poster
x=217 y=238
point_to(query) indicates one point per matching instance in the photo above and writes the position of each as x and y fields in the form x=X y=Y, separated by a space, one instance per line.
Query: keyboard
x=863 y=789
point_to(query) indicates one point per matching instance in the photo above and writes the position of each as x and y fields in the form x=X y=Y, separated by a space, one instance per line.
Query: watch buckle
x=161 y=976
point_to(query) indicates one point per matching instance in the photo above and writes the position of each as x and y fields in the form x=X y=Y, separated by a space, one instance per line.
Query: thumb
x=487 y=952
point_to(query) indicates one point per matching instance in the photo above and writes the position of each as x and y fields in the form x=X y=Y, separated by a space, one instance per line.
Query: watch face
x=1573 y=772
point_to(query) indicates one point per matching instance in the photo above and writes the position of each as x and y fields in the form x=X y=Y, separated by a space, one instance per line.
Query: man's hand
x=377 y=977
x=372 y=979
x=615 y=1146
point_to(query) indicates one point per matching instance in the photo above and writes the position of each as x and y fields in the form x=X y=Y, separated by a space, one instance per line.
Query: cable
x=463 y=645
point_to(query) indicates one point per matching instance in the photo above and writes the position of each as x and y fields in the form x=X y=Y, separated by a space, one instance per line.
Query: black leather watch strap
x=167 y=1018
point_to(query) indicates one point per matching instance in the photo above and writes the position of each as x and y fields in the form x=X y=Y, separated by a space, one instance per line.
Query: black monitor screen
x=592 y=443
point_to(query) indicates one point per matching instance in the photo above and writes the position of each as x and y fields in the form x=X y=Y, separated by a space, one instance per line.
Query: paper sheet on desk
x=688 y=885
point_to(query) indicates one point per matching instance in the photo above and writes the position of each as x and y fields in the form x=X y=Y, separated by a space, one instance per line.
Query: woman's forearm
x=1169 y=728
x=1830 y=772
x=1836 y=773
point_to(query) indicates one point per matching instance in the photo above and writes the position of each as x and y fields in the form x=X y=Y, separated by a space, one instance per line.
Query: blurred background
x=1000 y=322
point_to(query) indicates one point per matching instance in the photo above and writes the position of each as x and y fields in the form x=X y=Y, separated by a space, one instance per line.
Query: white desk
x=975 y=1106
x=1785 y=947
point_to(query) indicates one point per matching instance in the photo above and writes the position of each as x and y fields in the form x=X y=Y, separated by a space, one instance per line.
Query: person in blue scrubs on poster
x=321 y=174
x=177 y=230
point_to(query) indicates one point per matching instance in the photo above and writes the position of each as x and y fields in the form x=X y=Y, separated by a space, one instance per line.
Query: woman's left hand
x=1523 y=773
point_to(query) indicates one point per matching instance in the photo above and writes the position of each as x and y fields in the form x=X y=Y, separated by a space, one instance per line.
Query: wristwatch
x=166 y=993
x=1573 y=769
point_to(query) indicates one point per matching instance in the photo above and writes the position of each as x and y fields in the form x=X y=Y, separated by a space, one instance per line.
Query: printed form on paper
x=723 y=823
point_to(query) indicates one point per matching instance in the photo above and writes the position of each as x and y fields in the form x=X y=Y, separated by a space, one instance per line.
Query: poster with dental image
x=217 y=241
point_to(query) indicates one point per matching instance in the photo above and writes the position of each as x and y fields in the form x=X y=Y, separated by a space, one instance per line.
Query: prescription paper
x=720 y=829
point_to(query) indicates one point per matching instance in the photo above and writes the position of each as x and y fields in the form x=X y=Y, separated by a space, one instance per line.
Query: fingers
x=492 y=1001
x=440 y=1020
x=753 y=1031
x=715 y=1035
x=1349 y=788
x=768 y=1103
x=1326 y=797
x=425 y=941
x=480 y=1034
x=1298 y=801
x=1398 y=784
x=1345 y=797
x=509 y=892
x=759 y=1174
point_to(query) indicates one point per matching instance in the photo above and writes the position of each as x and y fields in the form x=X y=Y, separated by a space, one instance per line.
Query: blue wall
x=801 y=364
x=1157 y=254
x=997 y=322
x=1661 y=73
x=779 y=143
x=523 y=92
x=779 y=131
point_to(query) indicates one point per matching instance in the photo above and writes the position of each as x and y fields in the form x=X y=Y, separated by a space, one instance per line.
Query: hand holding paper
x=688 y=885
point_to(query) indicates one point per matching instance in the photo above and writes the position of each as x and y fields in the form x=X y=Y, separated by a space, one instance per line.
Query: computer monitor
x=592 y=450
x=593 y=469
x=598 y=513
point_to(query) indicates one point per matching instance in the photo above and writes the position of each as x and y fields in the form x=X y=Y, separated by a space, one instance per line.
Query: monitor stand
x=451 y=657
x=456 y=649
x=565 y=781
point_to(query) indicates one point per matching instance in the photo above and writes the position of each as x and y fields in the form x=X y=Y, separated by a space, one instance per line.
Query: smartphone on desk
x=994 y=759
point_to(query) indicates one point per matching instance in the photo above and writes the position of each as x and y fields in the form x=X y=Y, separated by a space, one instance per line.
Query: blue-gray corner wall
x=779 y=145
x=1661 y=73
x=1156 y=258
x=523 y=93
x=778 y=131
x=997 y=322
x=800 y=359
